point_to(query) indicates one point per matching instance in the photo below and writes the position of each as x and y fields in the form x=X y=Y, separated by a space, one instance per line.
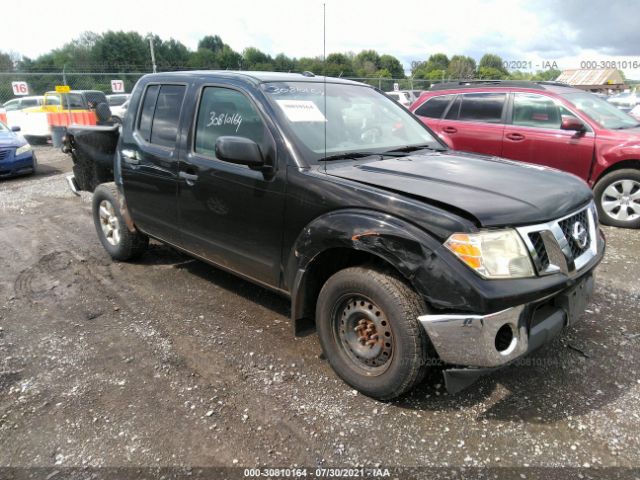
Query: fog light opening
x=505 y=339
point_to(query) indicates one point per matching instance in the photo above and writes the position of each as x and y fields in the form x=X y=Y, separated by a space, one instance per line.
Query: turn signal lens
x=493 y=254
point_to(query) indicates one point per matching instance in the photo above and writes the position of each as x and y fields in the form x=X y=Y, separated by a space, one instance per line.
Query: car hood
x=497 y=192
x=9 y=139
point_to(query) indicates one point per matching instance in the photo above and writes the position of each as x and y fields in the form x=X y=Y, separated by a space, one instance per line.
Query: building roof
x=608 y=76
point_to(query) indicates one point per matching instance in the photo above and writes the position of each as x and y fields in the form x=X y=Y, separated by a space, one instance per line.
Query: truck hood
x=496 y=191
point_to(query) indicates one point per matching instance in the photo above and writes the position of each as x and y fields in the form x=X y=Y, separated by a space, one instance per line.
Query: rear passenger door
x=431 y=111
x=149 y=161
x=475 y=123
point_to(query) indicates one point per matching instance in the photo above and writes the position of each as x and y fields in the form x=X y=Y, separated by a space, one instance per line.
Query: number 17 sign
x=20 y=88
x=117 y=86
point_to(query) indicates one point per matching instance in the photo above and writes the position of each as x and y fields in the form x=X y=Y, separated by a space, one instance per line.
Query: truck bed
x=92 y=149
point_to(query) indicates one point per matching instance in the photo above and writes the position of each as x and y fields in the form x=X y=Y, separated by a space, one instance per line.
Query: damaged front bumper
x=481 y=343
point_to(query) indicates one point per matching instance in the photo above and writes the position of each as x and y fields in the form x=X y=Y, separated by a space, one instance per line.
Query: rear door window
x=160 y=114
x=164 y=129
x=482 y=107
x=434 y=107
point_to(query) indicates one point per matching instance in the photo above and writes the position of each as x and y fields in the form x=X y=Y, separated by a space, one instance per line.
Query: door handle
x=130 y=156
x=515 y=136
x=450 y=129
x=189 y=178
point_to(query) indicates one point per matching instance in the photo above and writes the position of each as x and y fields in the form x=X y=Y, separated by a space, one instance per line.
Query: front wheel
x=618 y=198
x=368 y=327
x=113 y=233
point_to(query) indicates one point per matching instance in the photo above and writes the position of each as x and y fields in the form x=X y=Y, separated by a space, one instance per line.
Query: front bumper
x=14 y=166
x=488 y=341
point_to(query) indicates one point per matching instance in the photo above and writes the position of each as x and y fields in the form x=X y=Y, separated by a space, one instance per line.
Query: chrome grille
x=563 y=245
x=567 y=226
x=538 y=246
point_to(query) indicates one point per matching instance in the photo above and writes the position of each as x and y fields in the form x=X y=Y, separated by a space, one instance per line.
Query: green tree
x=282 y=63
x=6 y=62
x=437 y=61
x=229 y=59
x=392 y=65
x=203 y=59
x=490 y=73
x=492 y=63
x=339 y=64
x=170 y=54
x=461 y=67
x=366 y=63
x=254 y=59
x=122 y=51
x=310 y=64
x=546 y=75
x=211 y=42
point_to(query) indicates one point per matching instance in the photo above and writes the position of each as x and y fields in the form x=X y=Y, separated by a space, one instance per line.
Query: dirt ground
x=170 y=362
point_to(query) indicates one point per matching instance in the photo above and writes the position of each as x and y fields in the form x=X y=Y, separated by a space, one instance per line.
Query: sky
x=567 y=32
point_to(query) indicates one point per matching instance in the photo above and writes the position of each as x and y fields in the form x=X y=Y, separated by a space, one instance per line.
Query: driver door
x=230 y=214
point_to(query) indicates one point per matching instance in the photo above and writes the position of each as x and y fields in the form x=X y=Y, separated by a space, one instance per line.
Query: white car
x=635 y=112
x=625 y=101
x=117 y=113
x=403 y=97
x=23 y=102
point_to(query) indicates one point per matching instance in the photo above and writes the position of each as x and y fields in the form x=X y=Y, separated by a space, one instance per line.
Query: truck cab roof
x=254 y=77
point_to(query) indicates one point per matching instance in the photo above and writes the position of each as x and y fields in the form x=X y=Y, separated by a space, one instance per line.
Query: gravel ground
x=170 y=362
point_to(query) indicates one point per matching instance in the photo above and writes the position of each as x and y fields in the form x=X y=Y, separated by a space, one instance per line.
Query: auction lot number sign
x=20 y=88
x=117 y=86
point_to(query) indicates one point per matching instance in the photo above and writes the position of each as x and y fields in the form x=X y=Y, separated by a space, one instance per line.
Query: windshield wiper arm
x=413 y=148
x=348 y=156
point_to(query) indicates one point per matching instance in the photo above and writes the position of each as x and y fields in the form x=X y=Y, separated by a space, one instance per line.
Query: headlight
x=493 y=254
x=23 y=149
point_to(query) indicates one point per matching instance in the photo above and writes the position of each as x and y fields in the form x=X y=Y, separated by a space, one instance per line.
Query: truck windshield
x=601 y=112
x=52 y=99
x=357 y=119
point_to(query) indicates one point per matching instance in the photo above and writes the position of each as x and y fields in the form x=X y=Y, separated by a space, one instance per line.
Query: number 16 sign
x=20 y=88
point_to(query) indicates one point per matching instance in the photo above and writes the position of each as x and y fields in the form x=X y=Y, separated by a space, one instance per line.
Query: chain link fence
x=40 y=82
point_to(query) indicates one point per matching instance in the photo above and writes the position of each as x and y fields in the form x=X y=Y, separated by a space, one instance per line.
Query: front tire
x=112 y=230
x=368 y=326
x=617 y=197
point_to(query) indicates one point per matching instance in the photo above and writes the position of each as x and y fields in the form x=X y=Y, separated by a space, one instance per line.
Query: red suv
x=547 y=123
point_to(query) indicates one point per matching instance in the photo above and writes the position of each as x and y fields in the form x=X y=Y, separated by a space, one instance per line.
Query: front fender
x=407 y=248
x=400 y=243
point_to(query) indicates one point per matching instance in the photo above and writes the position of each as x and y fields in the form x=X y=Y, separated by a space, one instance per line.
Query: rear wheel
x=369 y=331
x=113 y=233
x=618 y=198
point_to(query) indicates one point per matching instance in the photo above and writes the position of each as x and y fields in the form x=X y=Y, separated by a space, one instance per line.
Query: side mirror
x=240 y=150
x=572 y=123
x=15 y=128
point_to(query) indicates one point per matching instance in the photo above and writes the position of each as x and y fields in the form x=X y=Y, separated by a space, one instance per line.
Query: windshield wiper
x=349 y=156
x=413 y=148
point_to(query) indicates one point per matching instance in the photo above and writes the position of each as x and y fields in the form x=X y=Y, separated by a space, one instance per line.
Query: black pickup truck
x=401 y=253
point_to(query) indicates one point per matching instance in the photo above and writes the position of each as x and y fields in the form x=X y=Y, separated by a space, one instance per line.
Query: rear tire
x=368 y=326
x=617 y=197
x=112 y=230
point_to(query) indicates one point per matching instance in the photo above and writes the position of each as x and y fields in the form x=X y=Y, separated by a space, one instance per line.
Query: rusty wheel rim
x=364 y=333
